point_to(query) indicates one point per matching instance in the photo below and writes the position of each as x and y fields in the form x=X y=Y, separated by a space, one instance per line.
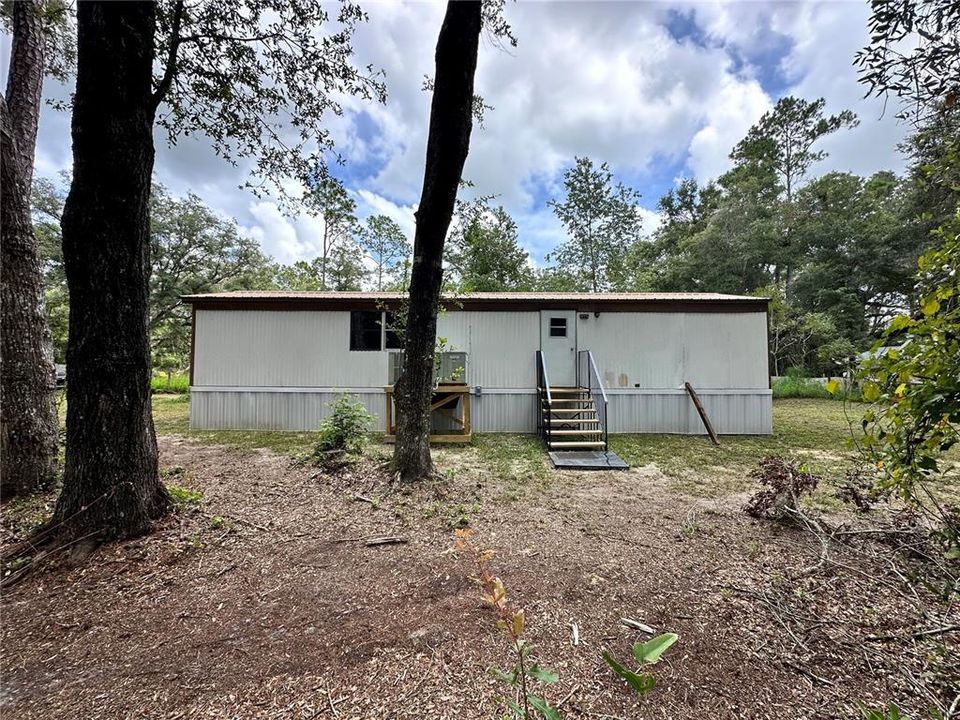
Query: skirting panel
x=745 y=412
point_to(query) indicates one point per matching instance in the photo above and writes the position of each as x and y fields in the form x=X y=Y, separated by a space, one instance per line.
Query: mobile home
x=275 y=360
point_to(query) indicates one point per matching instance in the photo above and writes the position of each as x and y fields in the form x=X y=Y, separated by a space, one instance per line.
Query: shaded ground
x=264 y=601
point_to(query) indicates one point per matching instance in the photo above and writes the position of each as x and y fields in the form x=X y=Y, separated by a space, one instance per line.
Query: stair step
x=587 y=400
x=578 y=444
x=574 y=421
x=588 y=410
x=576 y=432
x=569 y=391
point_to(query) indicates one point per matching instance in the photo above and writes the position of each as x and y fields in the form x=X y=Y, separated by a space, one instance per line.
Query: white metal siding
x=246 y=409
x=281 y=369
x=264 y=348
x=501 y=346
x=664 y=350
x=257 y=410
x=745 y=413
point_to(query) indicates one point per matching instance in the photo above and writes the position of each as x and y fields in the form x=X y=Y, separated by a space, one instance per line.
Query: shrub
x=526 y=672
x=793 y=386
x=784 y=483
x=345 y=428
x=911 y=380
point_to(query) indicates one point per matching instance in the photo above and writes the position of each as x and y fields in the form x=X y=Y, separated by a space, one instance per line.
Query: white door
x=558 y=343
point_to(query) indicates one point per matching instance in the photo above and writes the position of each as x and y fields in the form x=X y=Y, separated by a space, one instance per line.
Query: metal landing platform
x=587 y=460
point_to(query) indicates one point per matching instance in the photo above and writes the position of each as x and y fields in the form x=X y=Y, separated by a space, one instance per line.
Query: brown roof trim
x=592 y=304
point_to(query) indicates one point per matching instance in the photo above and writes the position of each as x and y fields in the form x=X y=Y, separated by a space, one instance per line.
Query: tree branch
x=171 y=69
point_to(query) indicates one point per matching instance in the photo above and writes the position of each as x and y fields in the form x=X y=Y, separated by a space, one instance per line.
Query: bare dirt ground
x=265 y=602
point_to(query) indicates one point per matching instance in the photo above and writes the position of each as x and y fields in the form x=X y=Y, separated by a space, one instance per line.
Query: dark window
x=365 y=330
x=394 y=333
x=558 y=327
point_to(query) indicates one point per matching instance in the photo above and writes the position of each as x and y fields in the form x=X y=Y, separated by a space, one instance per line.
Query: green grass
x=799 y=387
x=815 y=432
x=807 y=388
x=178 y=383
x=171 y=416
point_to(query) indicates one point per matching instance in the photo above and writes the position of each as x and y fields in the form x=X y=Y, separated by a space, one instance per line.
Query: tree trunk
x=448 y=142
x=28 y=419
x=111 y=485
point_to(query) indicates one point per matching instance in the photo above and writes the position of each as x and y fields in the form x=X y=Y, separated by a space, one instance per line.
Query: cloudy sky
x=660 y=91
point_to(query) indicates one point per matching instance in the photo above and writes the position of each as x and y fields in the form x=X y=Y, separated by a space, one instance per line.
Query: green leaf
x=643 y=683
x=649 y=652
x=899 y=323
x=542 y=674
x=930 y=306
x=871 y=392
x=546 y=709
x=510 y=678
x=833 y=387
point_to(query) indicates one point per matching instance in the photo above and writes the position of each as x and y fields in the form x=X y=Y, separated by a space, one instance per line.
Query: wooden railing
x=544 y=401
x=589 y=379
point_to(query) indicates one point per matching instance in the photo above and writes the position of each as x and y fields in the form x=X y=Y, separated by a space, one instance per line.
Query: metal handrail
x=593 y=381
x=543 y=391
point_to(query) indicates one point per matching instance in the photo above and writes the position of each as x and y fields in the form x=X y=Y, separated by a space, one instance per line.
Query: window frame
x=559 y=323
x=354 y=335
x=385 y=342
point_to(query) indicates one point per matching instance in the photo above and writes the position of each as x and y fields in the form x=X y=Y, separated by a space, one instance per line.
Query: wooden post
x=389 y=391
x=703 y=413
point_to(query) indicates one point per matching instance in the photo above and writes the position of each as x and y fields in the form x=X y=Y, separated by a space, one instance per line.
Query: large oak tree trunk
x=28 y=419
x=447 y=145
x=111 y=486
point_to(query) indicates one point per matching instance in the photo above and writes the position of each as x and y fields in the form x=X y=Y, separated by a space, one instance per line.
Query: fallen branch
x=912 y=636
x=813 y=677
x=567 y=696
x=636 y=625
x=388 y=540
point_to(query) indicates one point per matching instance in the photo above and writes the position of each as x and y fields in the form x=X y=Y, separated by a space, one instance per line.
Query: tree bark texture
x=448 y=142
x=111 y=486
x=28 y=418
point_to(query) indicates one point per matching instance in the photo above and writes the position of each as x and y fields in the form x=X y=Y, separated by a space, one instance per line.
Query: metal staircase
x=573 y=418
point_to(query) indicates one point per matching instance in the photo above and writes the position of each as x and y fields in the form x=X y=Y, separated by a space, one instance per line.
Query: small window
x=558 y=327
x=394 y=334
x=365 y=330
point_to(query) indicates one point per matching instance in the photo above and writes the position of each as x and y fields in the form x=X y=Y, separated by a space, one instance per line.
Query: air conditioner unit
x=395 y=367
x=453 y=367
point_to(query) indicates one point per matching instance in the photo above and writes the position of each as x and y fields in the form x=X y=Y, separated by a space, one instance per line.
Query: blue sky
x=660 y=91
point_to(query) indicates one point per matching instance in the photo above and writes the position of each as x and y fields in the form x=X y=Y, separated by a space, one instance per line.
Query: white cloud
x=600 y=79
x=373 y=204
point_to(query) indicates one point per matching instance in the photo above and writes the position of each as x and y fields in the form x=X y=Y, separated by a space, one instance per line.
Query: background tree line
x=836 y=252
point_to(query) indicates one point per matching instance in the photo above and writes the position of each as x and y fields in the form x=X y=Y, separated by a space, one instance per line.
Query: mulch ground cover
x=267 y=600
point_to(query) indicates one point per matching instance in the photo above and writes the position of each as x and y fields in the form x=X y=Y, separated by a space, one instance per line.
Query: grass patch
x=815 y=432
x=171 y=416
x=799 y=387
x=184 y=497
x=795 y=387
x=178 y=383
